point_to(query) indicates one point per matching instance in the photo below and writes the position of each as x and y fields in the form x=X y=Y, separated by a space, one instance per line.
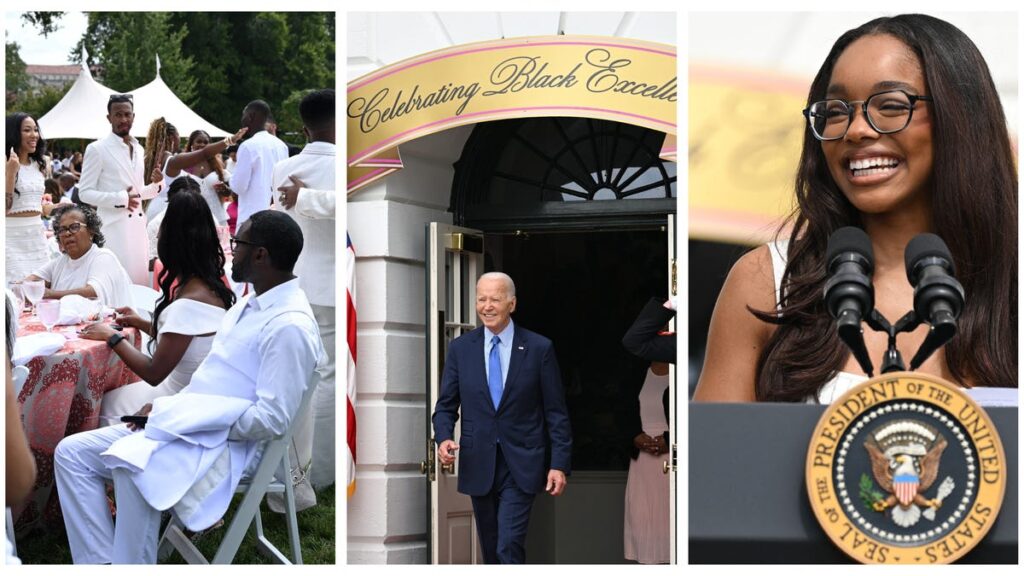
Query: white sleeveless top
x=842 y=381
x=30 y=185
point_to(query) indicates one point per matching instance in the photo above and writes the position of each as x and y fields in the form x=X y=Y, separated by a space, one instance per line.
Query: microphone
x=938 y=297
x=849 y=294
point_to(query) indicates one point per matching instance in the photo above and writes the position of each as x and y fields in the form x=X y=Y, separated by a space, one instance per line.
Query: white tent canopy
x=82 y=112
x=155 y=100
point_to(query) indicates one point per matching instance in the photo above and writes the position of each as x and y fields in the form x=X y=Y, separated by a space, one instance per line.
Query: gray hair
x=510 y=286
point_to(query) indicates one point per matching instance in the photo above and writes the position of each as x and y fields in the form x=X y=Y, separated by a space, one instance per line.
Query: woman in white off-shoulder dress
x=188 y=313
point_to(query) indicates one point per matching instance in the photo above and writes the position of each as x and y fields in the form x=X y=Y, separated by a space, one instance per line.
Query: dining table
x=62 y=396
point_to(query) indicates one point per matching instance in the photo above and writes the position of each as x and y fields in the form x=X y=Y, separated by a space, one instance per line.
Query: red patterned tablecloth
x=61 y=397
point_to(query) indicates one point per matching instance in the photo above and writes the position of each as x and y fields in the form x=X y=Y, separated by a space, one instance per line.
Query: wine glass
x=95 y=309
x=34 y=290
x=19 y=296
x=49 y=313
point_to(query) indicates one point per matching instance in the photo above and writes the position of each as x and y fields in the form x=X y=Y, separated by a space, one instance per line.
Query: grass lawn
x=316 y=531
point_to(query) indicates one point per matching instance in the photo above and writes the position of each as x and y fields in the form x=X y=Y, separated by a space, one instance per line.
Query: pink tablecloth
x=61 y=397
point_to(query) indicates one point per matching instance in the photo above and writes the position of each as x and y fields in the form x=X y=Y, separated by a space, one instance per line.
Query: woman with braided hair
x=162 y=142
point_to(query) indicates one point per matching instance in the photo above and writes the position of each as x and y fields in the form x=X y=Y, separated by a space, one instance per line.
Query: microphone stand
x=892 y=361
x=942 y=330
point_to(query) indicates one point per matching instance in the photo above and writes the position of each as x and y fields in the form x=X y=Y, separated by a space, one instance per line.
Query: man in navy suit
x=515 y=438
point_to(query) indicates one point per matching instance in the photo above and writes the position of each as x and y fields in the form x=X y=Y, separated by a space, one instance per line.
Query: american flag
x=350 y=339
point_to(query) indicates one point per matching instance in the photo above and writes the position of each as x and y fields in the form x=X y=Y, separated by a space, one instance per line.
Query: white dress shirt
x=108 y=170
x=259 y=365
x=314 y=213
x=251 y=177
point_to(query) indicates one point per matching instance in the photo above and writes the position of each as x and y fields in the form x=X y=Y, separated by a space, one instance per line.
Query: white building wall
x=387 y=519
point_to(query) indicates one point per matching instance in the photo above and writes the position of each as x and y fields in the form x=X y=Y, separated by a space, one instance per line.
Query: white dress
x=25 y=250
x=646 y=525
x=182 y=316
x=220 y=215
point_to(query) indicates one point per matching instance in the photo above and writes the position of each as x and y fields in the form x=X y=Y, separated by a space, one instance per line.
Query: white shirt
x=98 y=268
x=107 y=171
x=261 y=361
x=30 y=184
x=251 y=178
x=314 y=213
x=271 y=343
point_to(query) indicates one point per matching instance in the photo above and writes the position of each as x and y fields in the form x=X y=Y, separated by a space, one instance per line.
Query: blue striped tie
x=494 y=372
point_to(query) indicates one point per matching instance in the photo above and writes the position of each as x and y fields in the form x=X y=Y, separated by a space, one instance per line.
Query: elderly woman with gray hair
x=84 y=267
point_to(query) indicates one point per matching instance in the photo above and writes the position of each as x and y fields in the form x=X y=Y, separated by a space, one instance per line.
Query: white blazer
x=107 y=172
x=314 y=212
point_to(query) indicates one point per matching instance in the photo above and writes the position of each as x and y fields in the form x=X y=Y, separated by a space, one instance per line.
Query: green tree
x=289 y=122
x=15 y=77
x=125 y=46
x=239 y=57
x=47 y=22
x=217 y=62
x=38 y=103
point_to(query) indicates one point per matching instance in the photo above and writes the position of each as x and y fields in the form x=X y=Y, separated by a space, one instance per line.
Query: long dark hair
x=14 y=141
x=188 y=247
x=974 y=192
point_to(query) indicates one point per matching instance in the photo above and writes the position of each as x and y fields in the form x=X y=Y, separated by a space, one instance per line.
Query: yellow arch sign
x=610 y=78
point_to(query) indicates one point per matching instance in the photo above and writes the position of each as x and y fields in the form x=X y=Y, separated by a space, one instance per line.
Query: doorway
x=583 y=290
x=577 y=212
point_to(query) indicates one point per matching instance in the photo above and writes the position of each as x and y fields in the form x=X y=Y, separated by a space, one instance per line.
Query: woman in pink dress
x=646 y=526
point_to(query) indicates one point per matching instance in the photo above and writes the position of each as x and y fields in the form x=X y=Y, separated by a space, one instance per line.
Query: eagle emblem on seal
x=905 y=457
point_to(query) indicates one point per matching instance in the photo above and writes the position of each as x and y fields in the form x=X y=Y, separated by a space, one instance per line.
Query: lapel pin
x=522 y=348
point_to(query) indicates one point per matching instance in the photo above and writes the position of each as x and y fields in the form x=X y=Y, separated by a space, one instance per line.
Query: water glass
x=34 y=290
x=94 y=310
x=49 y=313
x=19 y=296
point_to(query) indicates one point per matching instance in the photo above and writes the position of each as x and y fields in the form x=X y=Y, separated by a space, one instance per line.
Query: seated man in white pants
x=199 y=444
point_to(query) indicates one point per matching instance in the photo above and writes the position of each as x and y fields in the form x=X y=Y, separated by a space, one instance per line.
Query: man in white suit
x=257 y=155
x=113 y=181
x=306 y=186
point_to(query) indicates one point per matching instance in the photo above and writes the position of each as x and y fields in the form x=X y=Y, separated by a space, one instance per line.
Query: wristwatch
x=114 y=340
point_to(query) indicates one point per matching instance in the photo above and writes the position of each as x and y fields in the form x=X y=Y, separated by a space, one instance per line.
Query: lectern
x=748 y=501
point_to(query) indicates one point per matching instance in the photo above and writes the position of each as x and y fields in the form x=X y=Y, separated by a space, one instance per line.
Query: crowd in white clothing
x=225 y=355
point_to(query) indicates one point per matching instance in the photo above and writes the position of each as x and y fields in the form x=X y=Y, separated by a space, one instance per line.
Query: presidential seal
x=905 y=468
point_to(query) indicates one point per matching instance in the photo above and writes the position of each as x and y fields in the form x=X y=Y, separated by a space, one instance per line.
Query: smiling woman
x=85 y=267
x=27 y=169
x=906 y=135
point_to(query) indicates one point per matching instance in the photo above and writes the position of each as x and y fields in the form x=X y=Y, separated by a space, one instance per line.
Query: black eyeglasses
x=886 y=112
x=234 y=242
x=69 y=229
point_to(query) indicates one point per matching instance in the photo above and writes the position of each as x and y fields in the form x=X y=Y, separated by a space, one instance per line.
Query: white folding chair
x=19 y=375
x=143 y=298
x=144 y=302
x=274 y=460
